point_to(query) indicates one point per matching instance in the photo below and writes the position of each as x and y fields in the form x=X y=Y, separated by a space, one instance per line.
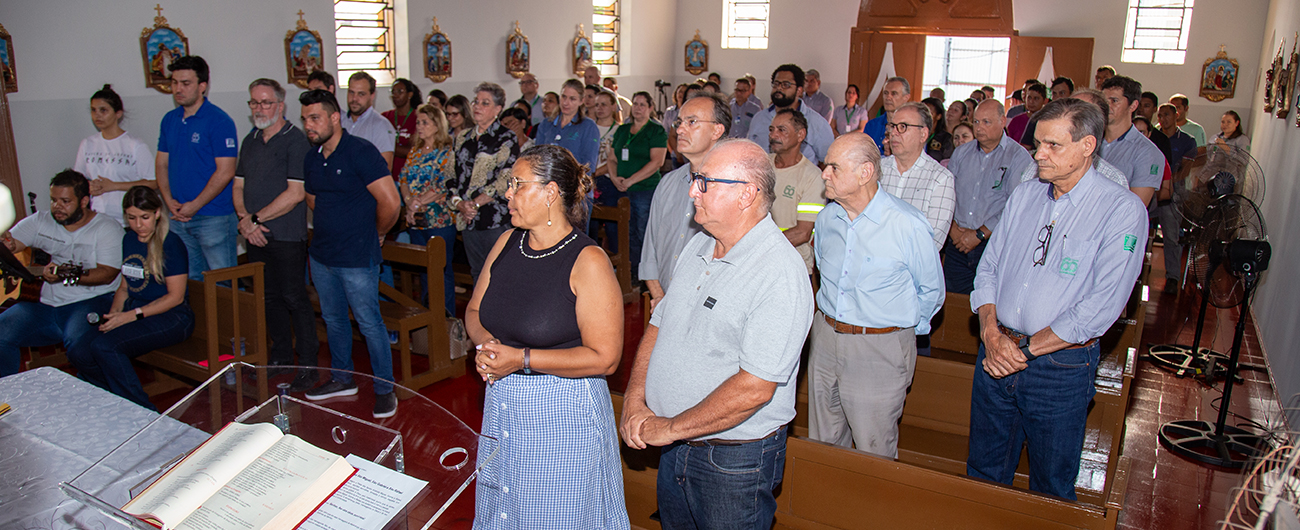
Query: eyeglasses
x=513 y=183
x=901 y=127
x=478 y=103
x=783 y=85
x=453 y=113
x=1044 y=239
x=690 y=122
x=527 y=81
x=702 y=182
x=263 y=104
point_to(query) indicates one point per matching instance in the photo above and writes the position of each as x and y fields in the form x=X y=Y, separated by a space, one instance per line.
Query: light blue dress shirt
x=879 y=269
x=984 y=181
x=1099 y=236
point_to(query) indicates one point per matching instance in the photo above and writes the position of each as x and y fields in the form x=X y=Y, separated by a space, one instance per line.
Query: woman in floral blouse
x=430 y=169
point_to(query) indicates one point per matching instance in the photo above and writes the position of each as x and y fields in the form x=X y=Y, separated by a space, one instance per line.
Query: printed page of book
x=368 y=501
x=278 y=490
x=180 y=491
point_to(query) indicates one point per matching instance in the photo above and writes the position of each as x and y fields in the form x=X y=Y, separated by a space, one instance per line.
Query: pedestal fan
x=1228 y=257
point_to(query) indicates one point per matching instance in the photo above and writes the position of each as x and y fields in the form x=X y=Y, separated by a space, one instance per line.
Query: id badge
x=133 y=271
x=625 y=154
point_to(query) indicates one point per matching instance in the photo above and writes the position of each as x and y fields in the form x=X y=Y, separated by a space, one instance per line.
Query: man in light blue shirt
x=1056 y=273
x=363 y=121
x=897 y=91
x=743 y=108
x=881 y=284
x=1125 y=147
x=787 y=85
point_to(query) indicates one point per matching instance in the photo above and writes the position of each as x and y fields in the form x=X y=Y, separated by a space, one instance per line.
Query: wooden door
x=867 y=50
x=1071 y=57
x=9 y=157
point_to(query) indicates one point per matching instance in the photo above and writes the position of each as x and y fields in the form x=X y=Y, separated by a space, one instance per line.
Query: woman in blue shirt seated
x=149 y=310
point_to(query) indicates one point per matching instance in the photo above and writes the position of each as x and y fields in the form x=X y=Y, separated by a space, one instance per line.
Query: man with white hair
x=912 y=175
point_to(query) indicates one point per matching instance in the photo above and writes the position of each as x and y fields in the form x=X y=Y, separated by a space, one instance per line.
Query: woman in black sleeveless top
x=547 y=315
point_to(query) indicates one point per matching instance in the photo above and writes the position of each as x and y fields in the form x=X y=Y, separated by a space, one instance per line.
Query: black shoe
x=385 y=405
x=305 y=379
x=276 y=369
x=332 y=389
x=1171 y=286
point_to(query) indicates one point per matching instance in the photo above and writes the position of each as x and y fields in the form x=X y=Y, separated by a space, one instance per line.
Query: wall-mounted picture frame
x=159 y=46
x=303 y=52
x=697 y=55
x=1219 y=77
x=437 y=54
x=517 y=53
x=580 y=51
x=1270 y=77
x=1286 y=83
x=8 y=68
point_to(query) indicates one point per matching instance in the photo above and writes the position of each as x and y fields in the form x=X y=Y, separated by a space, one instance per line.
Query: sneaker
x=305 y=379
x=385 y=405
x=392 y=337
x=332 y=389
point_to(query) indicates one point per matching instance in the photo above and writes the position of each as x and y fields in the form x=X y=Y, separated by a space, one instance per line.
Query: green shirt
x=633 y=151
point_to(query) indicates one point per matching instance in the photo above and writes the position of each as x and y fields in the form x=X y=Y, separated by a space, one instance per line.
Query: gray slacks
x=857 y=384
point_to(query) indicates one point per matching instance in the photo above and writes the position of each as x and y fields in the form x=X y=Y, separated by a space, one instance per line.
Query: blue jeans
x=1047 y=404
x=30 y=324
x=721 y=486
x=341 y=288
x=609 y=196
x=210 y=241
x=111 y=353
x=636 y=233
x=959 y=267
x=448 y=234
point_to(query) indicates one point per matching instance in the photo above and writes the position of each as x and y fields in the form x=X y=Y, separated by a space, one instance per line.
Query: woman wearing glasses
x=458 y=118
x=429 y=170
x=547 y=315
x=112 y=159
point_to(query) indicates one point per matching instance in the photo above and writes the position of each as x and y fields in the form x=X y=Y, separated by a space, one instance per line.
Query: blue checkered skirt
x=557 y=456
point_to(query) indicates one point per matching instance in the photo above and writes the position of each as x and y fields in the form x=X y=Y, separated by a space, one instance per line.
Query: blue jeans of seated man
x=636 y=233
x=720 y=486
x=111 y=353
x=210 y=241
x=1046 y=404
x=421 y=238
x=30 y=324
x=341 y=288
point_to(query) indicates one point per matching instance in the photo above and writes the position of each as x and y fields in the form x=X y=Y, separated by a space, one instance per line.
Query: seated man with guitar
x=86 y=253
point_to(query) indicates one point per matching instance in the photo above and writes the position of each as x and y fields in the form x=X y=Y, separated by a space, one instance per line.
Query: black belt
x=727 y=443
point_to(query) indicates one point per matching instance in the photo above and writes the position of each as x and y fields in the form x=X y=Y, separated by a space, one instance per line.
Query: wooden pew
x=421 y=328
x=622 y=259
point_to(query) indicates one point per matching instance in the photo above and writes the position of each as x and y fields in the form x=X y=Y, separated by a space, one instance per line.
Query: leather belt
x=726 y=443
x=1015 y=337
x=850 y=329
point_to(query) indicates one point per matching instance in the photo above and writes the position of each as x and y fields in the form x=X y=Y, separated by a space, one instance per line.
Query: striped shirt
x=926 y=185
x=984 y=181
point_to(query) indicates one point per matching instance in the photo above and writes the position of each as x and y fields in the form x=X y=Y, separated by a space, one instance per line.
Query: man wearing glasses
x=984 y=174
x=1054 y=277
x=912 y=175
x=787 y=93
x=715 y=388
x=881 y=284
x=528 y=92
x=703 y=120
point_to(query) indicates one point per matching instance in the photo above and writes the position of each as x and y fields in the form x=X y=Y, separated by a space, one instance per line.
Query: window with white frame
x=605 y=34
x=1156 y=31
x=744 y=24
x=363 y=30
x=959 y=65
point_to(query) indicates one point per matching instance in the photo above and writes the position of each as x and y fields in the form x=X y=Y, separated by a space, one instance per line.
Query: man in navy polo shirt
x=195 y=165
x=355 y=202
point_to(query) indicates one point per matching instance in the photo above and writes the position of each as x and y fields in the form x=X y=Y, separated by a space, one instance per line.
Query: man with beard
x=787 y=91
x=349 y=187
x=73 y=234
x=273 y=220
x=362 y=120
x=194 y=167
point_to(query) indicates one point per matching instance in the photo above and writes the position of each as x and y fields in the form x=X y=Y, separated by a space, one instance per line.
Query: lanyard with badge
x=627 y=153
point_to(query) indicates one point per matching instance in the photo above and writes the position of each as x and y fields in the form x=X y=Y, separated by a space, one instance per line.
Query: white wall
x=1274 y=144
x=1231 y=23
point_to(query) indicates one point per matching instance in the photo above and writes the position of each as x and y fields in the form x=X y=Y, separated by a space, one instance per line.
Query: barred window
x=605 y=33
x=364 y=33
x=1156 y=31
x=744 y=24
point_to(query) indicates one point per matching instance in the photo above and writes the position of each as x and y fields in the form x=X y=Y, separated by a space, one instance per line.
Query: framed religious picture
x=1270 y=78
x=517 y=53
x=302 y=52
x=437 y=54
x=1284 y=92
x=1219 y=77
x=7 y=64
x=159 y=46
x=697 y=55
x=580 y=52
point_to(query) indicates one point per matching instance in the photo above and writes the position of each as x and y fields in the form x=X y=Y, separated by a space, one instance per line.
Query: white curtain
x=886 y=71
x=1047 y=72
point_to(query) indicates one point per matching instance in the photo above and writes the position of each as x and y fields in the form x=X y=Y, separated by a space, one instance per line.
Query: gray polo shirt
x=670 y=226
x=1139 y=159
x=748 y=310
x=267 y=168
x=373 y=127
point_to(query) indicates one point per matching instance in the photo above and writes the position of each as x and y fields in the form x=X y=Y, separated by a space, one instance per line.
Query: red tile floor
x=1165 y=491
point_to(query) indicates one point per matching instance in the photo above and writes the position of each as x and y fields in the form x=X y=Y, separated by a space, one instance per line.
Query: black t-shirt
x=143 y=286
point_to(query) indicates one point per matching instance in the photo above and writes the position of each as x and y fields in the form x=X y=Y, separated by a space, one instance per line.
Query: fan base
x=1181 y=360
x=1196 y=440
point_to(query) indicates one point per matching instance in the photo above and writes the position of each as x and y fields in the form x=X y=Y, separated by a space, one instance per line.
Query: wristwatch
x=528 y=369
x=255 y=220
x=1024 y=348
x=979 y=234
x=139 y=313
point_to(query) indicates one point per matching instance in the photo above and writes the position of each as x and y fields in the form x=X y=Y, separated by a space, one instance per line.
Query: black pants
x=288 y=310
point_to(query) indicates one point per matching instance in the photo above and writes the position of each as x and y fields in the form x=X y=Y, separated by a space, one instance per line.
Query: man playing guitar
x=75 y=237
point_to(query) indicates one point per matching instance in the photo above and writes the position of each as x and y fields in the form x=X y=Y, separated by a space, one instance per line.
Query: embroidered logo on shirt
x=1069 y=266
x=1155 y=168
x=1130 y=242
x=708 y=302
x=788 y=192
x=195 y=138
x=230 y=143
